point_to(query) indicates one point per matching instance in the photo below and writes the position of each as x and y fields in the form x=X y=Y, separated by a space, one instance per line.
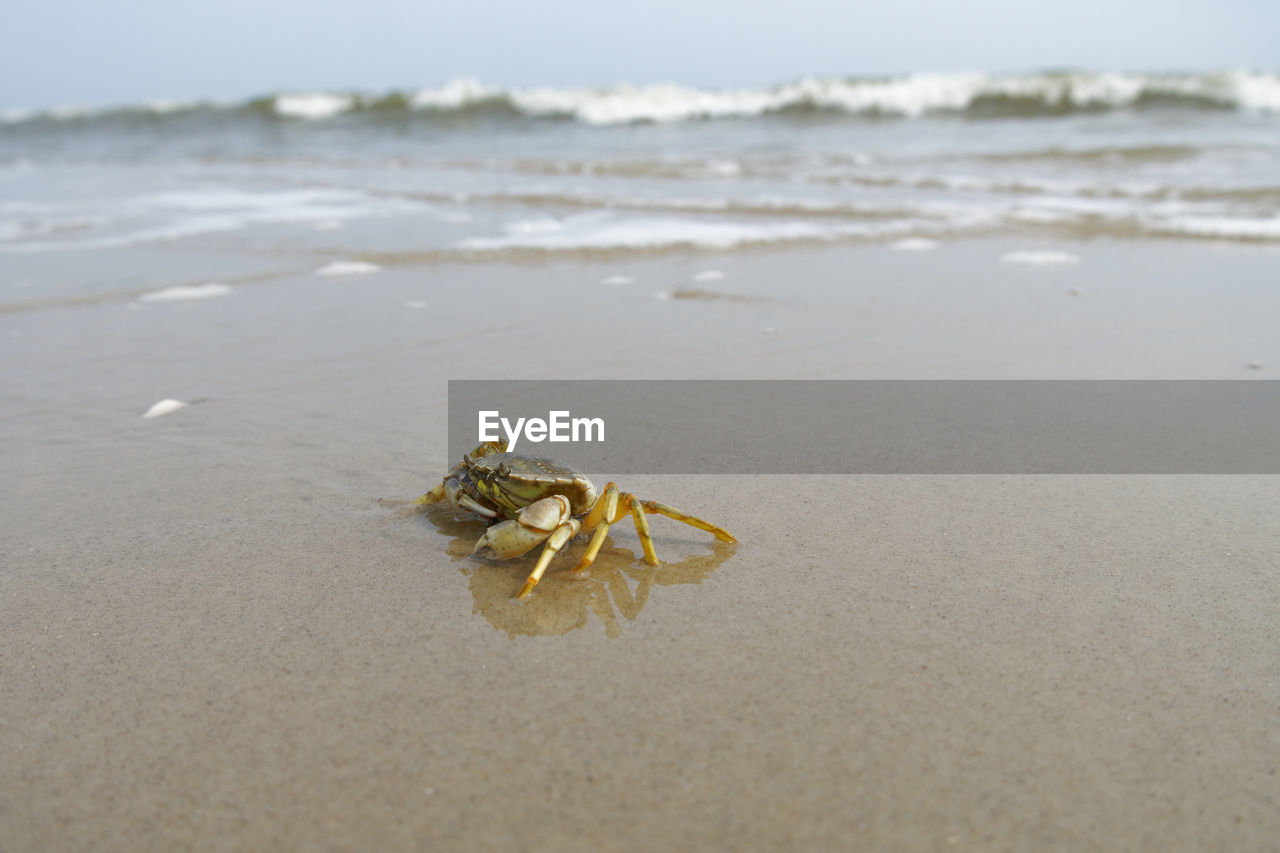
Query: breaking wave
x=910 y=96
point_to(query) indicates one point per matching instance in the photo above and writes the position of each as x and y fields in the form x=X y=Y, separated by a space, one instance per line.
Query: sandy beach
x=228 y=627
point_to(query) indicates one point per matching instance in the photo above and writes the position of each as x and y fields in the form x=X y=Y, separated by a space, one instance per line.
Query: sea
x=466 y=170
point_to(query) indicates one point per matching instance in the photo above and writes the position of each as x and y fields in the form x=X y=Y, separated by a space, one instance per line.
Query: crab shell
x=508 y=483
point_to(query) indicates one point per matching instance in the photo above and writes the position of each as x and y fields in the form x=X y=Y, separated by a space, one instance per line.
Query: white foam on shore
x=723 y=168
x=598 y=232
x=1040 y=257
x=151 y=217
x=617 y=280
x=708 y=275
x=1219 y=226
x=347 y=268
x=164 y=407
x=644 y=233
x=187 y=292
x=914 y=244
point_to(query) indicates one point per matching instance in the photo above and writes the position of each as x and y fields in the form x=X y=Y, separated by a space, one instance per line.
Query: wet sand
x=228 y=627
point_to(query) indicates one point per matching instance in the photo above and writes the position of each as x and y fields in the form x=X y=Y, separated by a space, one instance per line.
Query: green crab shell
x=511 y=482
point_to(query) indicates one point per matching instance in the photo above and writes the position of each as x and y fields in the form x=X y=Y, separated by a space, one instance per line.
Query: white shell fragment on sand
x=339 y=268
x=914 y=244
x=186 y=292
x=1043 y=257
x=164 y=407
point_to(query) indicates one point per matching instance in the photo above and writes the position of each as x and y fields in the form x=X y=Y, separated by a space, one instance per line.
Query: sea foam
x=155 y=217
x=347 y=268
x=313 y=106
x=909 y=96
x=914 y=244
x=1220 y=226
x=591 y=232
x=187 y=292
x=1040 y=257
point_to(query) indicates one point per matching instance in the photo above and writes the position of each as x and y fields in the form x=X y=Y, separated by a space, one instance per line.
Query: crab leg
x=673 y=513
x=609 y=509
x=555 y=541
x=603 y=514
x=436 y=494
x=642 y=530
x=604 y=509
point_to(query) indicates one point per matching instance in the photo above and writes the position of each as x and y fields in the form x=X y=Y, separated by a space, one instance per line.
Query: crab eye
x=504 y=470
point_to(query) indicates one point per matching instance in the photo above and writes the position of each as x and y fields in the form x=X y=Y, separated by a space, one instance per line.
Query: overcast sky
x=93 y=53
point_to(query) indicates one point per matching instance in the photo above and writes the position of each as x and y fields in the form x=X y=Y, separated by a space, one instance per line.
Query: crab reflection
x=617 y=584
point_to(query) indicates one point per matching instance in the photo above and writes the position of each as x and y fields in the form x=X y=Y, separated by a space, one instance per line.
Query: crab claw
x=531 y=526
x=508 y=539
x=546 y=515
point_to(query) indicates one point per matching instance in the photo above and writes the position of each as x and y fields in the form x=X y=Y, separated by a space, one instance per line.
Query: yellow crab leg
x=671 y=512
x=600 y=510
x=642 y=529
x=611 y=506
x=436 y=494
x=555 y=541
x=603 y=514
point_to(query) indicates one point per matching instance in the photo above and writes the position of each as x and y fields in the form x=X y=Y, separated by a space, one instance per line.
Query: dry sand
x=227 y=628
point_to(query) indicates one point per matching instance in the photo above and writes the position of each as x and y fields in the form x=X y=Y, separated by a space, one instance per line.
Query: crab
x=531 y=500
